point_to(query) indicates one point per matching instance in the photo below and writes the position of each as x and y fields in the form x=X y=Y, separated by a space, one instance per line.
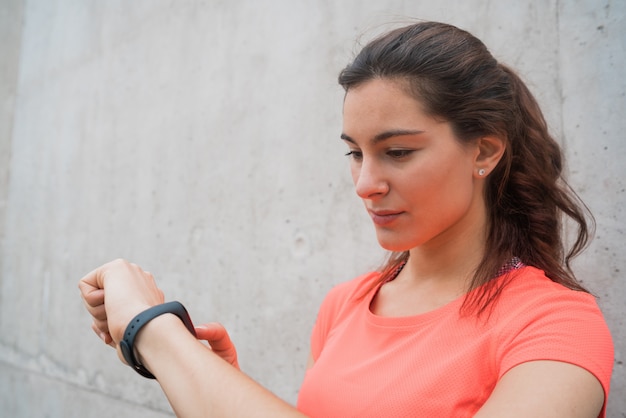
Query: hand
x=113 y=294
x=219 y=340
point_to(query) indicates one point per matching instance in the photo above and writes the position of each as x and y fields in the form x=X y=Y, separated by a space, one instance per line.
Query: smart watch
x=127 y=343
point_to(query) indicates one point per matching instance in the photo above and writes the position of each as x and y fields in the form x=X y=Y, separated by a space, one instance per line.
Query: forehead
x=381 y=104
x=378 y=90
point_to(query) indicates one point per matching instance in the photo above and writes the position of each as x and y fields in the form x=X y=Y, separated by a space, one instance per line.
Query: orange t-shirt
x=443 y=364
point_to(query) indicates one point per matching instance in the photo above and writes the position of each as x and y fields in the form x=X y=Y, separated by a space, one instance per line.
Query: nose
x=369 y=180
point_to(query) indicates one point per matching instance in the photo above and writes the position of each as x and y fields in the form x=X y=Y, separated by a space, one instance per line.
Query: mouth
x=384 y=217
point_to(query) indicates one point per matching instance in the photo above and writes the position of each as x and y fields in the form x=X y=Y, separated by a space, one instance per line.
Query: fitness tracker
x=126 y=345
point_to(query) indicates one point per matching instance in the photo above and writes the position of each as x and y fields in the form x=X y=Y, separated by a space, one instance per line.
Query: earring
x=481 y=172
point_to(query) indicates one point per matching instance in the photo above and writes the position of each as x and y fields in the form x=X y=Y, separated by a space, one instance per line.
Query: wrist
x=153 y=332
x=128 y=344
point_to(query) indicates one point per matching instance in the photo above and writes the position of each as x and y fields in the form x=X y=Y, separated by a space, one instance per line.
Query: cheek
x=458 y=169
x=457 y=191
x=448 y=185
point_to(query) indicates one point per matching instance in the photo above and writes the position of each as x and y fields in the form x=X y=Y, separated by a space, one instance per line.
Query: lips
x=384 y=217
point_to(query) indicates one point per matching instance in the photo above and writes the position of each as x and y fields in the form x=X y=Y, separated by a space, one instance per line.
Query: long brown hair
x=454 y=76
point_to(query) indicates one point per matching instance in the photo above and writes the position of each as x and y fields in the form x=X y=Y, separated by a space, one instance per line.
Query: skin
x=196 y=380
x=425 y=194
x=433 y=181
x=410 y=165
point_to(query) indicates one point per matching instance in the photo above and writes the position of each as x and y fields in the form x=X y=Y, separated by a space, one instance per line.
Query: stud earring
x=481 y=172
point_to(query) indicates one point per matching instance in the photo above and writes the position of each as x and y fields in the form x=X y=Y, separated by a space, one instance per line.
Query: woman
x=476 y=313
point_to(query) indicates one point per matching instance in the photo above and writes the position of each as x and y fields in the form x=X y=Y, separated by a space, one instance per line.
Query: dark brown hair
x=454 y=76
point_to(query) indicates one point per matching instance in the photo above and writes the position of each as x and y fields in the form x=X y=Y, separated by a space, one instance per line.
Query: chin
x=394 y=245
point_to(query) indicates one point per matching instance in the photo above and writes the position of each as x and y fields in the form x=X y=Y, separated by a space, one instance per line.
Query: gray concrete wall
x=200 y=140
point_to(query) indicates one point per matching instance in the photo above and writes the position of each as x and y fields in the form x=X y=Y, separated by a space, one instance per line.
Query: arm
x=196 y=380
x=545 y=389
x=219 y=340
x=199 y=383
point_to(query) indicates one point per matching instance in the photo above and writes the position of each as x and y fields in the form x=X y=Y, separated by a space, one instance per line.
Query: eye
x=355 y=155
x=399 y=154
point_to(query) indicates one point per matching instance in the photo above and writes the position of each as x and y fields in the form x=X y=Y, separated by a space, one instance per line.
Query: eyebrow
x=385 y=135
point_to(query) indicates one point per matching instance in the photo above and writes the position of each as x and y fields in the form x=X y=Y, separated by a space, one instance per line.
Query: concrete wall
x=200 y=140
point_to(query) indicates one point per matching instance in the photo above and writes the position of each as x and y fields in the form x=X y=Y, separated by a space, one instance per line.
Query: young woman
x=476 y=313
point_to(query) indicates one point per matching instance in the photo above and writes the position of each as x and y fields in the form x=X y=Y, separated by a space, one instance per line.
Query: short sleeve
x=332 y=306
x=565 y=326
x=321 y=326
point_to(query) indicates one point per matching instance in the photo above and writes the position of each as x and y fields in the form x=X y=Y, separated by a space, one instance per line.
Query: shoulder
x=340 y=302
x=349 y=292
x=354 y=287
x=538 y=319
x=531 y=297
x=530 y=292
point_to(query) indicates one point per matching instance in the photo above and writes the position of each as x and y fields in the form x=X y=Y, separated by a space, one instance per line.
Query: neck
x=449 y=260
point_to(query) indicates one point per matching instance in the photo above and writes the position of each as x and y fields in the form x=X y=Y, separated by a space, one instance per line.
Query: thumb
x=219 y=341
x=212 y=332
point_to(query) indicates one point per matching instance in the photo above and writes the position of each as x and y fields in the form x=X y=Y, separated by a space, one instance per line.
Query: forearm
x=196 y=381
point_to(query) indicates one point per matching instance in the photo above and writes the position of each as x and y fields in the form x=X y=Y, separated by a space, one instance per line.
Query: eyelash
x=396 y=154
x=399 y=153
x=354 y=155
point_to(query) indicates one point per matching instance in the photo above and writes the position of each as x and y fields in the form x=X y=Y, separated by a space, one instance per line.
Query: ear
x=490 y=151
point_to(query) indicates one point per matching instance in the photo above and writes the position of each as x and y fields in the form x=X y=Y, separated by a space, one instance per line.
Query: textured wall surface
x=200 y=139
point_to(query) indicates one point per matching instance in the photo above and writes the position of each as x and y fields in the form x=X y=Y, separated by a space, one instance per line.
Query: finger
x=92 y=281
x=98 y=312
x=103 y=326
x=93 y=297
x=219 y=341
x=216 y=335
x=210 y=331
x=129 y=290
x=103 y=335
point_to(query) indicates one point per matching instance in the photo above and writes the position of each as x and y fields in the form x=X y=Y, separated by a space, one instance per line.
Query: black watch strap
x=127 y=343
